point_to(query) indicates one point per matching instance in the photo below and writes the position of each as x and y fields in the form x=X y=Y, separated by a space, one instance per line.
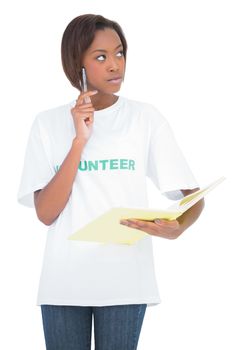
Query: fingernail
x=94 y=91
x=124 y=222
x=157 y=221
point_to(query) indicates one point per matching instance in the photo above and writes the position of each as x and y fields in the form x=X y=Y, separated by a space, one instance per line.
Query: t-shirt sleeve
x=37 y=168
x=166 y=164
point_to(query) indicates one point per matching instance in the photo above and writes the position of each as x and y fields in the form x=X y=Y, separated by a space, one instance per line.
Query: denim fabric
x=116 y=327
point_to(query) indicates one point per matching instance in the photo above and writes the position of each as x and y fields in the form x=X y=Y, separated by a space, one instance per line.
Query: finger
x=87 y=99
x=84 y=110
x=134 y=223
x=86 y=105
x=145 y=225
x=87 y=116
x=89 y=121
x=82 y=96
x=88 y=93
x=82 y=107
x=165 y=222
x=77 y=113
x=139 y=223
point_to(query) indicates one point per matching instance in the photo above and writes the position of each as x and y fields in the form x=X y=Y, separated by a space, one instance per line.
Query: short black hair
x=76 y=39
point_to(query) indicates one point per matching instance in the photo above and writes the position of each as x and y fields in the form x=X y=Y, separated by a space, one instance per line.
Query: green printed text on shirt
x=105 y=164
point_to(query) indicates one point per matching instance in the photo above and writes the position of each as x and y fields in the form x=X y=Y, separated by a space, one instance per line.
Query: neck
x=101 y=101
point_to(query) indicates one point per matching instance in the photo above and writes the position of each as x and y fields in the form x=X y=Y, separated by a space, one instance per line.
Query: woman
x=82 y=159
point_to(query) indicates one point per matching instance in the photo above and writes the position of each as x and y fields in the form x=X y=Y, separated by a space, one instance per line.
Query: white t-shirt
x=130 y=141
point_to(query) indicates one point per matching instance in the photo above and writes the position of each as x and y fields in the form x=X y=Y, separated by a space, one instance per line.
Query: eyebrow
x=105 y=50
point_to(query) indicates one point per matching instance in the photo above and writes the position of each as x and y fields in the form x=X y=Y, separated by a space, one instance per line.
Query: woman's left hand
x=163 y=228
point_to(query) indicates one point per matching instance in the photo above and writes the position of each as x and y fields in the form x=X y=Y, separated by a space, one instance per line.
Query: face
x=104 y=61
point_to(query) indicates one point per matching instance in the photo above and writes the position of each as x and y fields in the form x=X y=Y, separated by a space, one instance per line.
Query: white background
x=179 y=59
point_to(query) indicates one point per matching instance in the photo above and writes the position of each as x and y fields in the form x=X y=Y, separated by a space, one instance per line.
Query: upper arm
x=35 y=197
x=186 y=192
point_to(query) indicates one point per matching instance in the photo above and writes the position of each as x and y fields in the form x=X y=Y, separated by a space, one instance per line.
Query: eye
x=121 y=52
x=99 y=57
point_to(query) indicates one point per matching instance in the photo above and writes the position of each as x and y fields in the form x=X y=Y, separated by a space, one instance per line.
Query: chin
x=114 y=89
x=108 y=91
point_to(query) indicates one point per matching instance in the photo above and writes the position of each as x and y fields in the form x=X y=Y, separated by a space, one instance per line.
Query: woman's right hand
x=83 y=116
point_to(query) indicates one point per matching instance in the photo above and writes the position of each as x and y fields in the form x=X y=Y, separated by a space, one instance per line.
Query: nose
x=113 y=65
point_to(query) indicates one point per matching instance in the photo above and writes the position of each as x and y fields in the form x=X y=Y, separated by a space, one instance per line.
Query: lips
x=114 y=78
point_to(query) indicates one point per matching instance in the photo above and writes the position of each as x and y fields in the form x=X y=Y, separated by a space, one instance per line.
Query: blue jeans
x=116 y=327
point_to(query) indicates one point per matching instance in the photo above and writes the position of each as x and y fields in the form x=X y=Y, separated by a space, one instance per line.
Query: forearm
x=52 y=199
x=191 y=215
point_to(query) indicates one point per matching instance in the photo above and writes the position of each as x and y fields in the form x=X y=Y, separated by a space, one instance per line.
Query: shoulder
x=53 y=119
x=147 y=110
x=54 y=113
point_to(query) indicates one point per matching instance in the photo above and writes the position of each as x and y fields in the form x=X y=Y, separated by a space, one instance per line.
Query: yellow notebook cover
x=107 y=228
